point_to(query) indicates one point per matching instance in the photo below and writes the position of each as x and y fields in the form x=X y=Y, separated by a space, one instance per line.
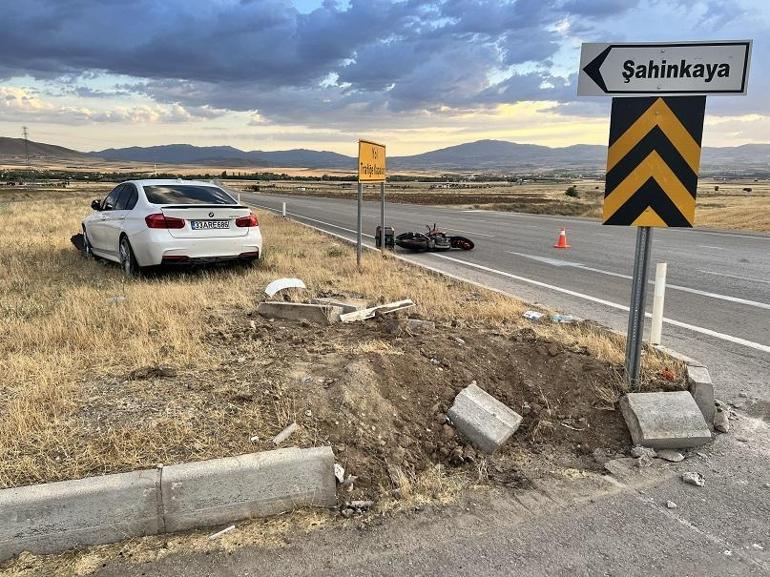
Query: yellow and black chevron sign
x=653 y=161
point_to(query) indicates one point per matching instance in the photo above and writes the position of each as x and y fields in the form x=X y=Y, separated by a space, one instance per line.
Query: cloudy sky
x=278 y=74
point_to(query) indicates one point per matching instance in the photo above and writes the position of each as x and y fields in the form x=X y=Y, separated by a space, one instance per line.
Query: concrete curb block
x=54 y=517
x=256 y=485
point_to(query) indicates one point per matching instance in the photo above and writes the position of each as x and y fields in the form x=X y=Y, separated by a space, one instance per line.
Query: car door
x=114 y=223
x=97 y=229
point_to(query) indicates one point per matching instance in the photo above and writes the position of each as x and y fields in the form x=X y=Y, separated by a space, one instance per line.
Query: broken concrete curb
x=54 y=517
x=483 y=420
x=348 y=305
x=702 y=389
x=669 y=420
x=314 y=313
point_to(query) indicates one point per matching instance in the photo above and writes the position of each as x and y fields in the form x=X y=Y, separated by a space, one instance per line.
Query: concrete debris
x=722 y=421
x=668 y=420
x=533 y=315
x=361 y=505
x=670 y=455
x=283 y=283
x=563 y=319
x=220 y=533
x=285 y=434
x=644 y=461
x=254 y=439
x=339 y=473
x=319 y=314
x=348 y=305
x=694 y=479
x=483 y=420
x=702 y=389
x=670 y=505
x=371 y=312
x=638 y=452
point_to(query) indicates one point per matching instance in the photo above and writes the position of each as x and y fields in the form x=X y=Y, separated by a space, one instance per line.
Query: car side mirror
x=96 y=204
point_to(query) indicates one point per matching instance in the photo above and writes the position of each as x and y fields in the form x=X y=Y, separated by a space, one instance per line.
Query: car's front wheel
x=127 y=259
x=87 y=250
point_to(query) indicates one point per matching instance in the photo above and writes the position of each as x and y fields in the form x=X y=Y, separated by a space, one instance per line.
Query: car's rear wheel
x=127 y=259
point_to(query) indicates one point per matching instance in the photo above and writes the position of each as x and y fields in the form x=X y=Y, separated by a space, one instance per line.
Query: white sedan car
x=145 y=223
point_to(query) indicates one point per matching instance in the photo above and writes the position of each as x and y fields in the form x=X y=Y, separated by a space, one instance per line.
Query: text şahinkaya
x=682 y=70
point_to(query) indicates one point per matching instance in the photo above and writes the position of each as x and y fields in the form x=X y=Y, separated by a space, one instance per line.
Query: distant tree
x=224 y=174
x=716 y=188
x=572 y=191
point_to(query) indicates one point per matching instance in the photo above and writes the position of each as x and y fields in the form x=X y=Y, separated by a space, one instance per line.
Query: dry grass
x=59 y=331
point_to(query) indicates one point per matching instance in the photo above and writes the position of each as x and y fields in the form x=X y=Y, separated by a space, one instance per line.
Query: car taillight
x=163 y=221
x=250 y=220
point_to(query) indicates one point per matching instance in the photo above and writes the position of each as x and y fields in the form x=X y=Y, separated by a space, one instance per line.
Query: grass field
x=61 y=334
x=729 y=207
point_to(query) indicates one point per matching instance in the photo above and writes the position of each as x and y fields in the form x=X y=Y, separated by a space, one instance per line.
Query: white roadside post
x=283 y=209
x=657 y=303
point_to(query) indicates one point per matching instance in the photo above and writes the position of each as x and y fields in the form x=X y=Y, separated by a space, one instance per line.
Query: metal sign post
x=382 y=217
x=360 y=226
x=636 y=310
x=371 y=168
x=656 y=127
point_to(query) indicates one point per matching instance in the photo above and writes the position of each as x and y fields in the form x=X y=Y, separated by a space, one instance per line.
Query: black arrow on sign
x=593 y=68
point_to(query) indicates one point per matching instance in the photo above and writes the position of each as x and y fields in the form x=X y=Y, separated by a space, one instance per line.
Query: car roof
x=167 y=181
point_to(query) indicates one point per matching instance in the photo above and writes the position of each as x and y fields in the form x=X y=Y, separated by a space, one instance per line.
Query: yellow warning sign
x=653 y=161
x=371 y=161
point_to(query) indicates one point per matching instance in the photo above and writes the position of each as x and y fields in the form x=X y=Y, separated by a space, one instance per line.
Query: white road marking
x=748 y=278
x=557 y=262
x=694 y=328
x=545 y=259
x=697 y=329
x=711 y=247
x=466 y=232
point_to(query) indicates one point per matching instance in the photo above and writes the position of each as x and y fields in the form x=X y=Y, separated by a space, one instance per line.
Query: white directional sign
x=670 y=68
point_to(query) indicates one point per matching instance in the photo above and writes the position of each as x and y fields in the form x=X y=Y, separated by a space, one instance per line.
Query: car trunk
x=207 y=221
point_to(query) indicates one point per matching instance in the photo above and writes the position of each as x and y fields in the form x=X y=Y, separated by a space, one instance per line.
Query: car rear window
x=186 y=194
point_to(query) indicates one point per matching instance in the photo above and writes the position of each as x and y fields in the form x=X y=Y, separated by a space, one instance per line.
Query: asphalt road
x=594 y=526
x=717 y=306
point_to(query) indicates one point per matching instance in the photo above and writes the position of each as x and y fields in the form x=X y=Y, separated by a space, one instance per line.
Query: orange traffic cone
x=562 y=242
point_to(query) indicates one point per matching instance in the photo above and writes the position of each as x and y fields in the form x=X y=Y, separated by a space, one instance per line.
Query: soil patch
x=377 y=393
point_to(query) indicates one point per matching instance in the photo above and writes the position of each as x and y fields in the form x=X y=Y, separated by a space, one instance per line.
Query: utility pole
x=26 y=146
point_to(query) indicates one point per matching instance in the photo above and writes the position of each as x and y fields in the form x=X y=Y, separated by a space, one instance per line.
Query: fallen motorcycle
x=433 y=240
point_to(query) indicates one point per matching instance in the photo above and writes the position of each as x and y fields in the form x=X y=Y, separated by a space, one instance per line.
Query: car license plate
x=209 y=224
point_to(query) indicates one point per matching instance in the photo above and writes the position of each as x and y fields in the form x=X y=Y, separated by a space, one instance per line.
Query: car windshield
x=186 y=194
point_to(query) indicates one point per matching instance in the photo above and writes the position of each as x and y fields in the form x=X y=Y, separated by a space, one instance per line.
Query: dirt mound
x=377 y=391
x=379 y=395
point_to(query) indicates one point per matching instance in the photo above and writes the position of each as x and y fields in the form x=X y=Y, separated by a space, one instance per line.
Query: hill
x=501 y=154
x=228 y=156
x=481 y=156
x=14 y=148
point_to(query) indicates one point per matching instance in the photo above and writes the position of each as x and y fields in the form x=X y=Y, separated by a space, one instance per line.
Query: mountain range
x=481 y=155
